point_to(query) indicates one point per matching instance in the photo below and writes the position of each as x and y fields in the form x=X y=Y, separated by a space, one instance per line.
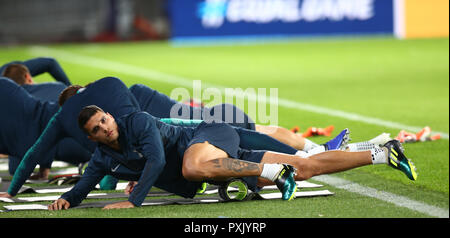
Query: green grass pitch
x=402 y=81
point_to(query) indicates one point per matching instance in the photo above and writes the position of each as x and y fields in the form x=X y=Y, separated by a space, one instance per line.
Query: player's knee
x=305 y=171
x=302 y=175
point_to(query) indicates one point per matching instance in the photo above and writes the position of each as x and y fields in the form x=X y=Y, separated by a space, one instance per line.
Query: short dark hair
x=85 y=114
x=16 y=72
x=67 y=93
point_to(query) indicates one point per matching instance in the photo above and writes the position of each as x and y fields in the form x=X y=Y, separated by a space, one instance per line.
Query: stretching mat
x=175 y=201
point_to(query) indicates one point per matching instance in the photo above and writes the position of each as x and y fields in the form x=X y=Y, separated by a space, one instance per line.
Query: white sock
x=271 y=171
x=302 y=153
x=379 y=155
x=317 y=150
x=381 y=139
x=313 y=151
x=361 y=146
x=309 y=145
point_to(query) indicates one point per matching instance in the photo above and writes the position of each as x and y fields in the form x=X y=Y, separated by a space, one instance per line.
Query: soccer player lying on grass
x=113 y=95
x=160 y=105
x=138 y=147
x=157 y=104
x=23 y=120
x=23 y=72
x=150 y=100
x=63 y=124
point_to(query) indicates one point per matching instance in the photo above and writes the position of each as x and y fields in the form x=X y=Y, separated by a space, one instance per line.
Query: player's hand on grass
x=118 y=205
x=59 y=205
x=129 y=188
x=5 y=195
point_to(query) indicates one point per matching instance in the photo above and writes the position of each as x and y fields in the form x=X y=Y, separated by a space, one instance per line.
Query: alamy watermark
x=260 y=104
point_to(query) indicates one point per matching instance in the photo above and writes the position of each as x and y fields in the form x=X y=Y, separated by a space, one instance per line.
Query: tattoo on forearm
x=235 y=165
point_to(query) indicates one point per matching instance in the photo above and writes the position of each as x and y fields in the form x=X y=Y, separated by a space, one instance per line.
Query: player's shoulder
x=139 y=118
x=109 y=81
x=8 y=83
x=137 y=122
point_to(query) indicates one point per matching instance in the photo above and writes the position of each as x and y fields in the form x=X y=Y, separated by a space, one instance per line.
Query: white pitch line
x=152 y=75
x=384 y=196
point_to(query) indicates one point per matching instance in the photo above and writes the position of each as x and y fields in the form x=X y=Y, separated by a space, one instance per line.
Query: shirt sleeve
x=41 y=65
x=94 y=172
x=149 y=144
x=43 y=145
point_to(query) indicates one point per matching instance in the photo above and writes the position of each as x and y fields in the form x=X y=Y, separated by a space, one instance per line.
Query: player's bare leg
x=203 y=161
x=336 y=161
x=323 y=163
x=284 y=135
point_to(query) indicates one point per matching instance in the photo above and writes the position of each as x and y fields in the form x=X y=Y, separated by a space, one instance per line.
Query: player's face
x=102 y=128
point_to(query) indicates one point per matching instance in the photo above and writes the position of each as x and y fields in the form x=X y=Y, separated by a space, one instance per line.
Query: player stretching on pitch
x=177 y=159
x=113 y=95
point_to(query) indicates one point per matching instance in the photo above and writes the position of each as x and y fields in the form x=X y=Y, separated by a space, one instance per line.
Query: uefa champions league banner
x=197 y=19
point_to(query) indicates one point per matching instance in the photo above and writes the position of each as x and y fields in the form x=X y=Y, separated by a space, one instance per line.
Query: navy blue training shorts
x=230 y=114
x=224 y=137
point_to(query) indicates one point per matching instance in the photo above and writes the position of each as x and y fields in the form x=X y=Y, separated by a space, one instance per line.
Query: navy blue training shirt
x=40 y=65
x=109 y=93
x=45 y=91
x=147 y=145
x=23 y=118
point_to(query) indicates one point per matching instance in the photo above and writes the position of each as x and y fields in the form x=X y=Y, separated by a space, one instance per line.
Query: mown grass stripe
x=384 y=196
x=152 y=75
